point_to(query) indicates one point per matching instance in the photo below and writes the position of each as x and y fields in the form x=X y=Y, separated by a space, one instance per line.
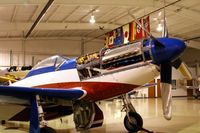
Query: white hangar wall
x=5 y=47
x=12 y=51
x=179 y=90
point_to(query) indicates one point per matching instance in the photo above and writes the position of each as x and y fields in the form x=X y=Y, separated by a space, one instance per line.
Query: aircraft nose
x=172 y=49
x=179 y=46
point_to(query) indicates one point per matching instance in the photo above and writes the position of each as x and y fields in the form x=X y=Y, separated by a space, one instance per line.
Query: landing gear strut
x=133 y=122
x=37 y=121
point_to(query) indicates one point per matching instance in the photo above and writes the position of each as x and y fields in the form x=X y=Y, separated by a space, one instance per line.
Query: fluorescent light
x=159 y=28
x=92 y=19
x=155 y=19
x=159 y=14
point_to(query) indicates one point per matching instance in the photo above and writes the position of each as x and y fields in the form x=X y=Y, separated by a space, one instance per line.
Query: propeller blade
x=166 y=75
x=165 y=29
x=183 y=68
x=166 y=89
x=166 y=100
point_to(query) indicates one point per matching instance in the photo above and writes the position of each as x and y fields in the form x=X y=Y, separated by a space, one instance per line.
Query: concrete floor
x=186 y=118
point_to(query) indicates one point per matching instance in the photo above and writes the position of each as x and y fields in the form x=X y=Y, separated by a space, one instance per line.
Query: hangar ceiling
x=70 y=18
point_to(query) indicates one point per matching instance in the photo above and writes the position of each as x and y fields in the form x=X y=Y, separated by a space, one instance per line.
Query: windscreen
x=51 y=61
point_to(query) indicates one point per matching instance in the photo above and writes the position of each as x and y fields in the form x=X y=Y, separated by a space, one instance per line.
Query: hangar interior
x=65 y=29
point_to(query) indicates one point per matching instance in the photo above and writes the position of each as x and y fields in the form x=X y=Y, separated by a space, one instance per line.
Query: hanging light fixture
x=92 y=19
x=159 y=14
x=159 y=27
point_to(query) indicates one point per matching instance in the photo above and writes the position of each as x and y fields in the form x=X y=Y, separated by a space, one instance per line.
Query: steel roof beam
x=55 y=26
x=84 y=2
x=47 y=6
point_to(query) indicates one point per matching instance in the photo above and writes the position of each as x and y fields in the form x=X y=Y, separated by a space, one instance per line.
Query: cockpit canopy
x=52 y=64
x=51 y=61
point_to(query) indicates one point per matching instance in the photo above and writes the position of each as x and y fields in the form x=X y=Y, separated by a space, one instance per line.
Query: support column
x=11 y=58
x=33 y=61
x=82 y=46
x=197 y=70
x=23 y=52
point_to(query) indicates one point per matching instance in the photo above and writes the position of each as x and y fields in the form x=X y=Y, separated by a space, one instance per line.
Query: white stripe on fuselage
x=69 y=75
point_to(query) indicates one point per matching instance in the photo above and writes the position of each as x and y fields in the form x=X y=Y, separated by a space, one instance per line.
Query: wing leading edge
x=25 y=92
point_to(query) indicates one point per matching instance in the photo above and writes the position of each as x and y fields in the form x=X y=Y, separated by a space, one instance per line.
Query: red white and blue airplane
x=60 y=86
x=85 y=80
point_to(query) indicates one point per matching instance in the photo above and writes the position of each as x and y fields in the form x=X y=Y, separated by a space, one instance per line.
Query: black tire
x=3 y=122
x=47 y=130
x=137 y=122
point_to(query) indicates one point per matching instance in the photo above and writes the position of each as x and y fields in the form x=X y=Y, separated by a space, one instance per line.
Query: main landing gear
x=133 y=122
x=37 y=121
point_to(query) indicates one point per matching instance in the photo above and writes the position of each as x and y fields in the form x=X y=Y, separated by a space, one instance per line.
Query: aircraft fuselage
x=104 y=74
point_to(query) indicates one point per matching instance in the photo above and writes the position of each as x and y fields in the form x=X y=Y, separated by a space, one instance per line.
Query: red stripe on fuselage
x=95 y=90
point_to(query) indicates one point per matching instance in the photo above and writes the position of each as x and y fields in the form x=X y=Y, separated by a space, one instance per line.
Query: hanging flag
x=125 y=33
x=119 y=36
x=114 y=37
x=146 y=24
x=139 y=30
x=106 y=40
x=132 y=31
x=111 y=40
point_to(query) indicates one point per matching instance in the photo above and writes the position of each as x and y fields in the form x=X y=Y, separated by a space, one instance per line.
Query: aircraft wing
x=25 y=92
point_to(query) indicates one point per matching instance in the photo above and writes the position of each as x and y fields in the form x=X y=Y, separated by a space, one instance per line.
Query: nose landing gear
x=133 y=122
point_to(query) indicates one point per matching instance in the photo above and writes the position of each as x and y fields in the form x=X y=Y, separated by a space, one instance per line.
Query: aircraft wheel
x=47 y=130
x=3 y=122
x=136 y=124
